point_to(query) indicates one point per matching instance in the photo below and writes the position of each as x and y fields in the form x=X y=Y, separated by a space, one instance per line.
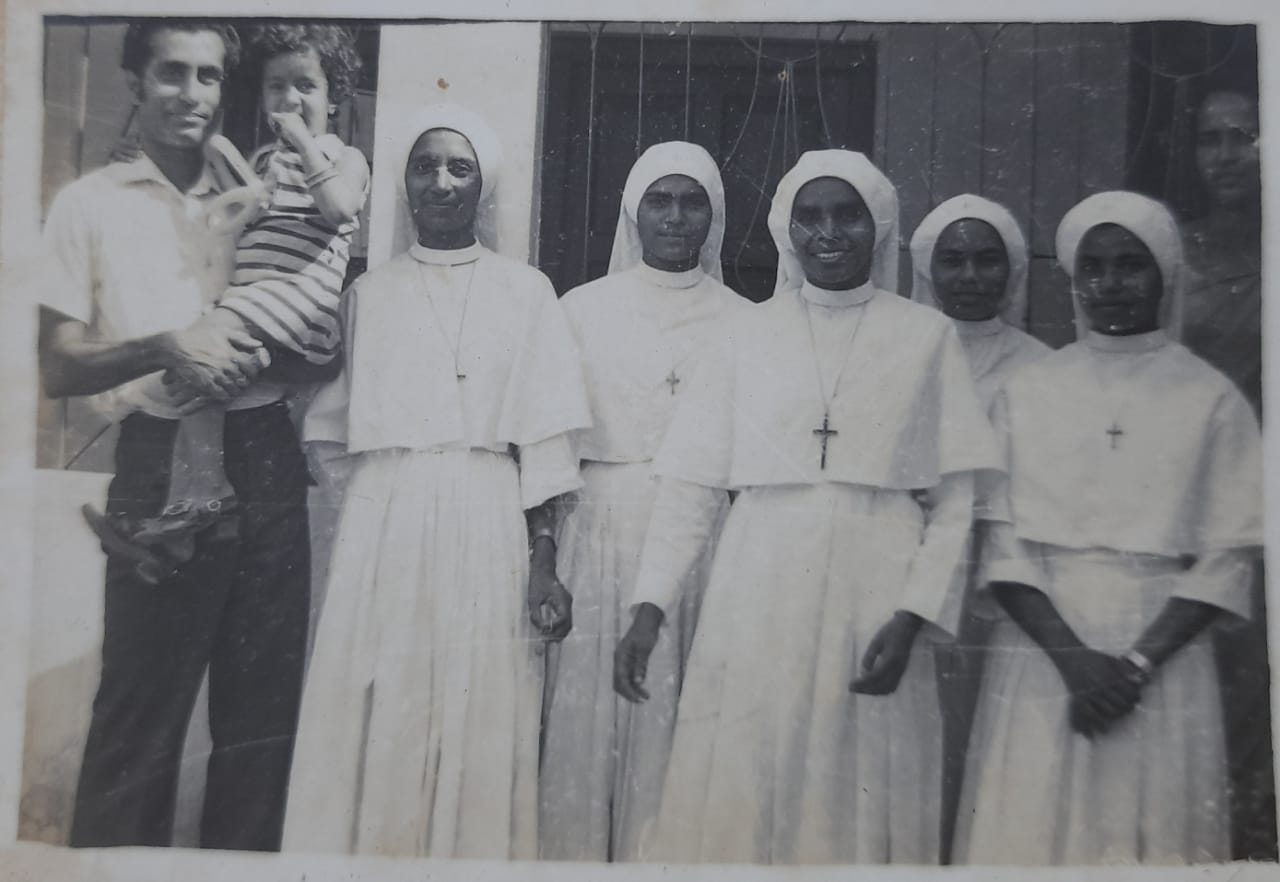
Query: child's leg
x=197 y=477
x=199 y=492
x=198 y=496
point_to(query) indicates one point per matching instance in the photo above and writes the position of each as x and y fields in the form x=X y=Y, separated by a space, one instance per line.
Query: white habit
x=640 y=332
x=995 y=349
x=774 y=760
x=1134 y=477
x=420 y=717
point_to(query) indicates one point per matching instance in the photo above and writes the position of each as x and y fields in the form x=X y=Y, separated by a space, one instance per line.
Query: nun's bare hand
x=887 y=655
x=1102 y=689
x=550 y=604
x=631 y=658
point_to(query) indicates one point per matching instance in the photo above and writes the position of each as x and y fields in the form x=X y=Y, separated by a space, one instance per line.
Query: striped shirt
x=291 y=262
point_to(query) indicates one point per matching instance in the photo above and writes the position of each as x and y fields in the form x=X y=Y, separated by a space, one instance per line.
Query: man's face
x=1227 y=148
x=179 y=92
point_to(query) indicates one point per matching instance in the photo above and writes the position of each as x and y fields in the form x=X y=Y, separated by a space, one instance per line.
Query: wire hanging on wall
x=985 y=48
x=760 y=189
x=594 y=31
x=688 y=74
x=817 y=79
x=786 y=117
x=640 y=96
x=751 y=104
x=1181 y=79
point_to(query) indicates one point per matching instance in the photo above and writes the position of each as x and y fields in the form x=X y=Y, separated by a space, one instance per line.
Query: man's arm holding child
x=211 y=361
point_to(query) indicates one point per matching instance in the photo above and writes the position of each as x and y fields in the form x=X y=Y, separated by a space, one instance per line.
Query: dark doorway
x=754 y=101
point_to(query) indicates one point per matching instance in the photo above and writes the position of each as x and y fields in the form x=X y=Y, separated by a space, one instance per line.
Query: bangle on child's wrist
x=325 y=173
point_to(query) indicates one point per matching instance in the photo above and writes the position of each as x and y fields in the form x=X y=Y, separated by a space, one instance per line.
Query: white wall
x=492 y=68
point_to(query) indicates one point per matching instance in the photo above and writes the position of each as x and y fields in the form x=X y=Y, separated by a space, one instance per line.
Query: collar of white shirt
x=144 y=170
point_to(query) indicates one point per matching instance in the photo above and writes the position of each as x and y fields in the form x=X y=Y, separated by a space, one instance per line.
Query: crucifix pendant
x=824 y=432
x=1115 y=432
x=672 y=380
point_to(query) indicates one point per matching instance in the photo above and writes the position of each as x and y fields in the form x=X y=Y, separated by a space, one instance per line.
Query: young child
x=291 y=260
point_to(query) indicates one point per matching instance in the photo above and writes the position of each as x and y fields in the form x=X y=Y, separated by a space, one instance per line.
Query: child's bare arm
x=338 y=185
x=341 y=196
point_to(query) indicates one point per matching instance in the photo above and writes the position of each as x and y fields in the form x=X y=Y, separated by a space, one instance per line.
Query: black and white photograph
x=540 y=438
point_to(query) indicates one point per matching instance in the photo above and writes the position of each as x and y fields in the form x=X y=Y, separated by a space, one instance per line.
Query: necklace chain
x=454 y=344
x=827 y=401
x=1117 y=406
x=827 y=431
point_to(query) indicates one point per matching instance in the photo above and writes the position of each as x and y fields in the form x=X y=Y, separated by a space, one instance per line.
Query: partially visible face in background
x=1227 y=151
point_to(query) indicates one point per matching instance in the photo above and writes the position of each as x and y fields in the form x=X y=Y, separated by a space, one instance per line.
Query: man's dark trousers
x=238 y=609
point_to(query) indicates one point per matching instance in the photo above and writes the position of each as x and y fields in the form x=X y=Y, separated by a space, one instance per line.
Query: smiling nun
x=643 y=330
x=462 y=384
x=808 y=728
x=1127 y=529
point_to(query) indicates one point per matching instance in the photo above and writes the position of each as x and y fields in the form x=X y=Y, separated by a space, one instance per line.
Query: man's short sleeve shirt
x=130 y=255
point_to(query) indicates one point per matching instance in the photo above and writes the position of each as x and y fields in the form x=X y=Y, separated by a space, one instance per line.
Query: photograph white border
x=20 y=155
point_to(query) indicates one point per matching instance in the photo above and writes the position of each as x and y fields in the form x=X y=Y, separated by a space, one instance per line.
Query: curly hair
x=137 y=40
x=333 y=44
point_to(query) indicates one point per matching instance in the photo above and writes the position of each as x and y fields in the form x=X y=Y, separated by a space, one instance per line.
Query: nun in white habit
x=808 y=728
x=969 y=260
x=642 y=331
x=462 y=384
x=1127 y=528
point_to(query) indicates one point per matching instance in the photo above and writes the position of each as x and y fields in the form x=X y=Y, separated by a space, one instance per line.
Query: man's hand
x=215 y=358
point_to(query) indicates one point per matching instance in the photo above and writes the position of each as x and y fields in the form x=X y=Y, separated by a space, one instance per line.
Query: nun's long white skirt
x=419 y=726
x=775 y=760
x=1153 y=789
x=604 y=758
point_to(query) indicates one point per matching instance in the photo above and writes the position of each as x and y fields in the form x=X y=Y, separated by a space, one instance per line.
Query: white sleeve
x=1003 y=557
x=548 y=469
x=684 y=517
x=935 y=582
x=1223 y=579
x=65 y=276
x=325 y=419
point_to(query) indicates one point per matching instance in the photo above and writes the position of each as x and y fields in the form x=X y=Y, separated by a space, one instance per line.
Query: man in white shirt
x=129 y=278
